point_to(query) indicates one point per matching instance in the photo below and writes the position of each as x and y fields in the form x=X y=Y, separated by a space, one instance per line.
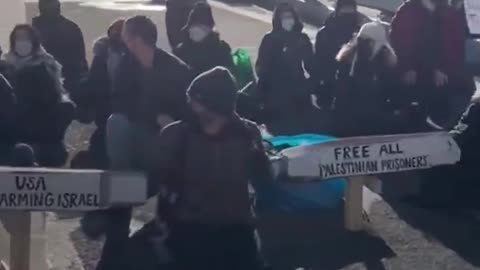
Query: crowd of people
x=176 y=117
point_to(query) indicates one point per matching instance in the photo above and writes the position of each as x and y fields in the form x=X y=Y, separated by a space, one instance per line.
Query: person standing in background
x=337 y=30
x=63 y=39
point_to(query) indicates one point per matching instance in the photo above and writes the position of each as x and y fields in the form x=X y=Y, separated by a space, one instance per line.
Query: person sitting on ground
x=93 y=102
x=201 y=47
x=337 y=30
x=43 y=111
x=63 y=39
x=211 y=221
x=284 y=57
x=363 y=86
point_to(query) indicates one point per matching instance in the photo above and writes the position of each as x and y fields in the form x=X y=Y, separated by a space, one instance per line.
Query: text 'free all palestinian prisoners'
x=358 y=160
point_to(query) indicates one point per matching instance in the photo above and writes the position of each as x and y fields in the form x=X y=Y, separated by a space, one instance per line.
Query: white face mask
x=198 y=33
x=288 y=24
x=23 y=48
x=428 y=4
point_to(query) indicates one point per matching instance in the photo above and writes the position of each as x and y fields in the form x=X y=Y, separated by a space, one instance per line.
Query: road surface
x=399 y=237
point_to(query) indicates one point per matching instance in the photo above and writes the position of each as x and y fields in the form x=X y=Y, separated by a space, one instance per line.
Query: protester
x=176 y=17
x=64 y=40
x=201 y=47
x=337 y=30
x=93 y=102
x=364 y=85
x=285 y=55
x=428 y=37
x=148 y=93
x=211 y=222
x=43 y=112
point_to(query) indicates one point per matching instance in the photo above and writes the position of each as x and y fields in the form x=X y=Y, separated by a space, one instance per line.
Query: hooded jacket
x=64 y=40
x=283 y=58
x=205 y=55
x=95 y=97
x=336 y=31
x=410 y=30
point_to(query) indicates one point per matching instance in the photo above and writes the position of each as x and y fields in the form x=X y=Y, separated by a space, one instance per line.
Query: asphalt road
x=399 y=237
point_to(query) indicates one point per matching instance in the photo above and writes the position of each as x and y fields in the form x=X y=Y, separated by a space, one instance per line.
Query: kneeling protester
x=205 y=164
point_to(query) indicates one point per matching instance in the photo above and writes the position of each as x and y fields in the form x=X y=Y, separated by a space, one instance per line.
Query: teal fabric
x=292 y=195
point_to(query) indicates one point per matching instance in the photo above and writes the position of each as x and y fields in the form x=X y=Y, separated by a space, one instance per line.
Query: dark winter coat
x=205 y=55
x=42 y=115
x=7 y=120
x=176 y=18
x=467 y=134
x=426 y=41
x=143 y=95
x=211 y=183
x=337 y=31
x=64 y=40
x=95 y=97
x=283 y=58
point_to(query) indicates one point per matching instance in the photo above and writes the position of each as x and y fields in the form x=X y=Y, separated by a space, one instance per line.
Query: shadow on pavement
x=318 y=242
x=88 y=250
x=454 y=231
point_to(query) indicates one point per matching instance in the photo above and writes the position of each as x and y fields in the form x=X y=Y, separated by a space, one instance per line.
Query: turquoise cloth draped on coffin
x=298 y=196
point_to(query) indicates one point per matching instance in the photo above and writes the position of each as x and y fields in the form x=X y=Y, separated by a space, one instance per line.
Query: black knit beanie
x=215 y=89
x=201 y=14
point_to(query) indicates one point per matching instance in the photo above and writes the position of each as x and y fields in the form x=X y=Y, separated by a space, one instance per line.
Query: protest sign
x=372 y=155
x=68 y=190
x=472 y=12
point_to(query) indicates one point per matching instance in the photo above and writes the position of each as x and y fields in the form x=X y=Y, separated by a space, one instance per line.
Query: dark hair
x=143 y=27
x=34 y=37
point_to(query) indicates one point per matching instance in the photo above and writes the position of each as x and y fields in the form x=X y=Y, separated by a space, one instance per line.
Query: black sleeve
x=184 y=77
x=264 y=58
x=322 y=58
x=259 y=163
x=79 y=50
x=467 y=131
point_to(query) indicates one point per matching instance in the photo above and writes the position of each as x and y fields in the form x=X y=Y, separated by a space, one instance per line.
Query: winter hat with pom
x=215 y=89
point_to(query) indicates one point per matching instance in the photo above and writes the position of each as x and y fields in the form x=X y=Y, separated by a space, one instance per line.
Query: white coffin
x=42 y=189
x=372 y=155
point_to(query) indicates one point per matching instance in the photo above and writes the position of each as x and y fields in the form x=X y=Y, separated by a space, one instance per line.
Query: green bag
x=242 y=67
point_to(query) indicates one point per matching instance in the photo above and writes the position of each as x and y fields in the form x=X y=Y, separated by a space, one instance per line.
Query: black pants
x=215 y=248
x=115 y=253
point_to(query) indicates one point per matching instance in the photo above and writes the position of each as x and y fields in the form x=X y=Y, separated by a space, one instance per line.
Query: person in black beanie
x=201 y=47
x=211 y=220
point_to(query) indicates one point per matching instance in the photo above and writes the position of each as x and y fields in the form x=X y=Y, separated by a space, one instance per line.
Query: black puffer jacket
x=283 y=58
x=205 y=55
